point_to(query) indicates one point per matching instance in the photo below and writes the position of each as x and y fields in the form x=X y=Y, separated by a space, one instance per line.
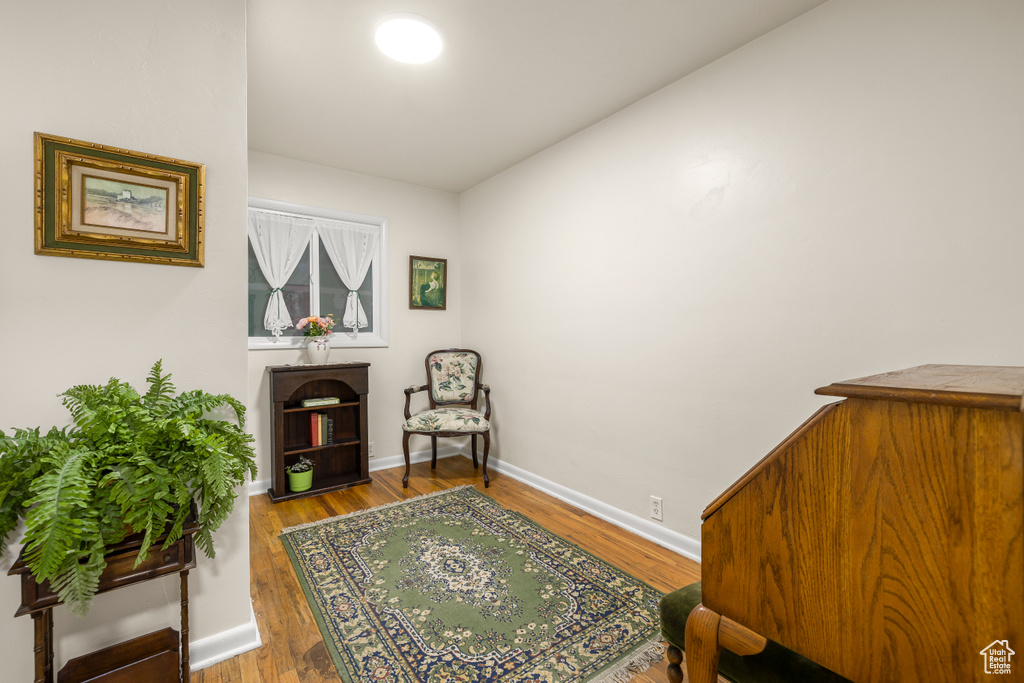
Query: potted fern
x=129 y=463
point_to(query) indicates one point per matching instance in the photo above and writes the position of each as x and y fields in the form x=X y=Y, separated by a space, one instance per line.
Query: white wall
x=168 y=79
x=421 y=221
x=660 y=294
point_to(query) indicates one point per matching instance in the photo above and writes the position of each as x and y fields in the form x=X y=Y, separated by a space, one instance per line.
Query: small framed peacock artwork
x=428 y=283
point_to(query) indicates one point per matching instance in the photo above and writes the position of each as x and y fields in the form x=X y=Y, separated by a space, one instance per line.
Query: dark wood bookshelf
x=342 y=463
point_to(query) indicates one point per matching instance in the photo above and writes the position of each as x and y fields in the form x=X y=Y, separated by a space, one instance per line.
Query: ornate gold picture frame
x=94 y=201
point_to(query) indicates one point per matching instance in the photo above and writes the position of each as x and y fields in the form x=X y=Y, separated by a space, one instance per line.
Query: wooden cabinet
x=883 y=538
x=339 y=464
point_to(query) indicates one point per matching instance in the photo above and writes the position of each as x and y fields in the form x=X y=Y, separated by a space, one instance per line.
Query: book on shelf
x=321 y=429
x=320 y=401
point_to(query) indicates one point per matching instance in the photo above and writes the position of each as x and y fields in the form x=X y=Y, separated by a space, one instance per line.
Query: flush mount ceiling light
x=408 y=38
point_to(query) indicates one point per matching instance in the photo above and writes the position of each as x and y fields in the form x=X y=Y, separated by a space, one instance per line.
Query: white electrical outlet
x=656 y=509
x=370 y=449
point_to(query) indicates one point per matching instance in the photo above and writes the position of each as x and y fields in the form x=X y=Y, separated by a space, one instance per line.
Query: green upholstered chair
x=775 y=664
x=453 y=379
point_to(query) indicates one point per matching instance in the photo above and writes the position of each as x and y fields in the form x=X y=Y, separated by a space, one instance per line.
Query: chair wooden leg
x=675 y=658
x=487 y=448
x=473 y=441
x=433 y=452
x=405 y=449
x=702 y=645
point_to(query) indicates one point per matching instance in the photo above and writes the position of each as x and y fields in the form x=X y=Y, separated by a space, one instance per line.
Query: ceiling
x=515 y=76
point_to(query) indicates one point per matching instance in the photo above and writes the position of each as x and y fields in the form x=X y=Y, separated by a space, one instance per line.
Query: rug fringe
x=432 y=494
x=642 y=659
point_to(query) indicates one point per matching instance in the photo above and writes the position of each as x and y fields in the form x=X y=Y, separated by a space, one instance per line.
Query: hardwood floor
x=293 y=651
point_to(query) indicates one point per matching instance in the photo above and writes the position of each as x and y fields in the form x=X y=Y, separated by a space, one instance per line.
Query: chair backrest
x=453 y=375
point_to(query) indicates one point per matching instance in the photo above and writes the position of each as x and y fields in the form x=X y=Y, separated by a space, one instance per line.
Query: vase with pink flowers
x=317 y=331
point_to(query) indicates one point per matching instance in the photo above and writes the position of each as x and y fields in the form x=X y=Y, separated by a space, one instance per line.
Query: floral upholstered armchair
x=453 y=379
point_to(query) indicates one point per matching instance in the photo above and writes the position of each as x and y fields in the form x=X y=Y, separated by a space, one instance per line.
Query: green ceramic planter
x=300 y=481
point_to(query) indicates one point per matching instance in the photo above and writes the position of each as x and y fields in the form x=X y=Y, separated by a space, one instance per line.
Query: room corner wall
x=658 y=296
x=167 y=79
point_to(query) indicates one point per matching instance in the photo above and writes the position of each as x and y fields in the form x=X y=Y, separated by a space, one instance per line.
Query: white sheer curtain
x=279 y=241
x=351 y=247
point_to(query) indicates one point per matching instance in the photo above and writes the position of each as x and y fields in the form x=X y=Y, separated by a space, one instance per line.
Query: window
x=307 y=260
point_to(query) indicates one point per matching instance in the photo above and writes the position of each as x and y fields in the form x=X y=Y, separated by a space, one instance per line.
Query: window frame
x=341 y=338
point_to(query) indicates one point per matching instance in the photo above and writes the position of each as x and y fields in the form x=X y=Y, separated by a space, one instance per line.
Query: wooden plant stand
x=156 y=657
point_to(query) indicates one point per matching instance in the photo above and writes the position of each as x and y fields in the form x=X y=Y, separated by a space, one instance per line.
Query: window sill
x=339 y=340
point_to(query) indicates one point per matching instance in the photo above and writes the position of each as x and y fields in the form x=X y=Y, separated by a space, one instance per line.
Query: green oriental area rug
x=452 y=587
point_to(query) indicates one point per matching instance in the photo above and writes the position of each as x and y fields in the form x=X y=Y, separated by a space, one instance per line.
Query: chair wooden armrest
x=408 y=395
x=487 y=400
x=714 y=643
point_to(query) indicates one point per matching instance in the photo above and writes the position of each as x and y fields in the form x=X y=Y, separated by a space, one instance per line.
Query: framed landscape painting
x=428 y=283
x=94 y=201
